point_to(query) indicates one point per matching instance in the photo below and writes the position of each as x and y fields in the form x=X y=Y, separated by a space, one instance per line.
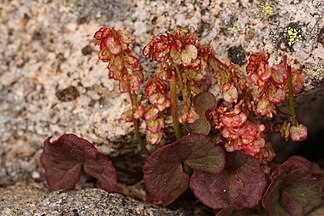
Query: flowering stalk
x=174 y=107
x=185 y=63
x=184 y=91
x=291 y=98
x=133 y=98
x=123 y=66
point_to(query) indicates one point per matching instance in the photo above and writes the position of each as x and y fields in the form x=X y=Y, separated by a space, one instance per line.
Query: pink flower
x=123 y=64
x=139 y=112
x=265 y=108
x=275 y=94
x=297 y=80
x=298 y=133
x=154 y=138
x=230 y=93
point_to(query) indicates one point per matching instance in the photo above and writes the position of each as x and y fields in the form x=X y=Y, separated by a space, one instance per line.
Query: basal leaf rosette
x=164 y=175
x=64 y=158
x=296 y=187
x=239 y=185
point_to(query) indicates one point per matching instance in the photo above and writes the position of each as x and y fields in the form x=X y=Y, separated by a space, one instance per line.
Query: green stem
x=136 y=125
x=291 y=107
x=179 y=77
x=174 y=106
x=184 y=91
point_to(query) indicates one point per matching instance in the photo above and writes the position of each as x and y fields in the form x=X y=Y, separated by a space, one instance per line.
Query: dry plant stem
x=174 y=107
x=136 y=126
x=291 y=107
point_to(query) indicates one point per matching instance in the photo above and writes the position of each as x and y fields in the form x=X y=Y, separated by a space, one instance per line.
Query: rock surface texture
x=52 y=83
x=81 y=202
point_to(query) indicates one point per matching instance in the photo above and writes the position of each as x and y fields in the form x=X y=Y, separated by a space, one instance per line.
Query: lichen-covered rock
x=35 y=200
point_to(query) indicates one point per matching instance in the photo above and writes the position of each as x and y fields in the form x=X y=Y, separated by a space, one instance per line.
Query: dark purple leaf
x=240 y=185
x=164 y=177
x=317 y=212
x=64 y=158
x=204 y=155
x=103 y=170
x=202 y=102
x=200 y=126
x=297 y=187
x=237 y=212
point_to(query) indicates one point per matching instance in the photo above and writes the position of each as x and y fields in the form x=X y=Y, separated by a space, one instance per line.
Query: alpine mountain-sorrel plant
x=221 y=117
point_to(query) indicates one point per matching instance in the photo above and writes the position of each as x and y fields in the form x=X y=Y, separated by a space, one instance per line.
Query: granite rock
x=52 y=83
x=33 y=199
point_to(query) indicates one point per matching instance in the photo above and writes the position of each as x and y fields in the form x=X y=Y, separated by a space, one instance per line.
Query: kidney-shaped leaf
x=317 y=212
x=103 y=170
x=204 y=155
x=240 y=185
x=202 y=103
x=164 y=177
x=296 y=187
x=64 y=158
x=199 y=126
x=237 y=212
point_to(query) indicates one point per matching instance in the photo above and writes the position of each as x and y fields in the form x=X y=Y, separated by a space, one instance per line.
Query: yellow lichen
x=293 y=35
x=69 y=5
x=267 y=8
x=232 y=29
x=262 y=9
x=318 y=72
x=254 y=11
